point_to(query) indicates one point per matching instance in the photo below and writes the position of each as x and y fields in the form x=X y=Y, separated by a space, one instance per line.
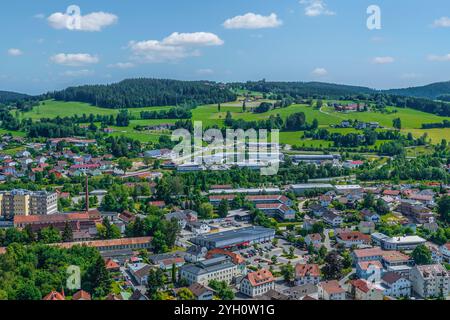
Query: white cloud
x=78 y=73
x=383 y=60
x=205 y=71
x=94 y=21
x=193 y=39
x=443 y=22
x=314 y=8
x=14 y=52
x=122 y=65
x=433 y=57
x=319 y=72
x=253 y=21
x=74 y=59
x=174 y=47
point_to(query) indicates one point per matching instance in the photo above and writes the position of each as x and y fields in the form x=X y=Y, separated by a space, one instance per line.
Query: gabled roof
x=197 y=289
x=81 y=295
x=54 y=296
x=305 y=270
x=364 y=265
x=332 y=287
x=391 y=277
x=110 y=264
x=260 y=277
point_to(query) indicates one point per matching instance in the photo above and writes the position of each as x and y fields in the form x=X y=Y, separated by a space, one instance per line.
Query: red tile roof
x=332 y=287
x=260 y=277
x=364 y=265
x=354 y=236
x=54 y=296
x=305 y=270
x=81 y=295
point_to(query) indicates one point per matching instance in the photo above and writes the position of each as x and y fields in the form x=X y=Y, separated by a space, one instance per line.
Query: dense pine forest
x=136 y=93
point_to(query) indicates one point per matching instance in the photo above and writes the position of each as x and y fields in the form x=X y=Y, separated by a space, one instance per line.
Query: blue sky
x=223 y=40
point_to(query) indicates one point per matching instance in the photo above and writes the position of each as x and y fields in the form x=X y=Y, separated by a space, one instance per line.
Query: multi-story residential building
x=333 y=219
x=416 y=210
x=277 y=209
x=364 y=290
x=395 y=285
x=371 y=254
x=367 y=269
x=26 y=203
x=430 y=280
x=307 y=274
x=353 y=238
x=331 y=290
x=445 y=250
x=257 y=283
x=221 y=269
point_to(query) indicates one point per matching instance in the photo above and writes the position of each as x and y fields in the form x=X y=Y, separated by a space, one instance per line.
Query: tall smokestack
x=87 y=194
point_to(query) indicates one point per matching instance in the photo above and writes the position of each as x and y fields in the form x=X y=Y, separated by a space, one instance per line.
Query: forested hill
x=431 y=91
x=7 y=96
x=307 y=89
x=136 y=93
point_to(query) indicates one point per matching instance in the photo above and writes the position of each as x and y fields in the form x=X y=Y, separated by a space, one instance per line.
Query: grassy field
x=53 y=109
x=412 y=120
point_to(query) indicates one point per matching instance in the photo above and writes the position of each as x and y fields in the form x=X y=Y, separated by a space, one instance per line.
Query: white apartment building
x=220 y=269
x=430 y=280
x=257 y=283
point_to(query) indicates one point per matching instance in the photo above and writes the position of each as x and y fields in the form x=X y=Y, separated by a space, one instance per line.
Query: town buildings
x=26 y=203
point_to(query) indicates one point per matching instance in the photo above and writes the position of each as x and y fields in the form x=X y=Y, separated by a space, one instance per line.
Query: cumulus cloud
x=314 y=8
x=443 y=22
x=319 y=72
x=383 y=60
x=122 y=65
x=74 y=59
x=433 y=57
x=94 y=21
x=14 y=52
x=253 y=21
x=174 y=47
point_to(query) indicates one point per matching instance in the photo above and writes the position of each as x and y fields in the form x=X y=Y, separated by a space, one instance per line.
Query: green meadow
x=327 y=117
x=53 y=109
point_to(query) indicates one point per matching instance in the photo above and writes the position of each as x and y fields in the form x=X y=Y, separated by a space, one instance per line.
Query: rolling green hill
x=431 y=91
x=8 y=96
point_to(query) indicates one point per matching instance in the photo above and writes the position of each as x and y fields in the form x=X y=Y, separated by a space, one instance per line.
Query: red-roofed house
x=55 y=296
x=81 y=296
x=111 y=265
x=354 y=238
x=307 y=274
x=363 y=290
x=331 y=290
x=257 y=283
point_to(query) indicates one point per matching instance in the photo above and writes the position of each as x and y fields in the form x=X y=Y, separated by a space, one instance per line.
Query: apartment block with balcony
x=26 y=203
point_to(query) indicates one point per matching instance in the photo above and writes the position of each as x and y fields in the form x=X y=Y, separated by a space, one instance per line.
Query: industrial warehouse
x=236 y=238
